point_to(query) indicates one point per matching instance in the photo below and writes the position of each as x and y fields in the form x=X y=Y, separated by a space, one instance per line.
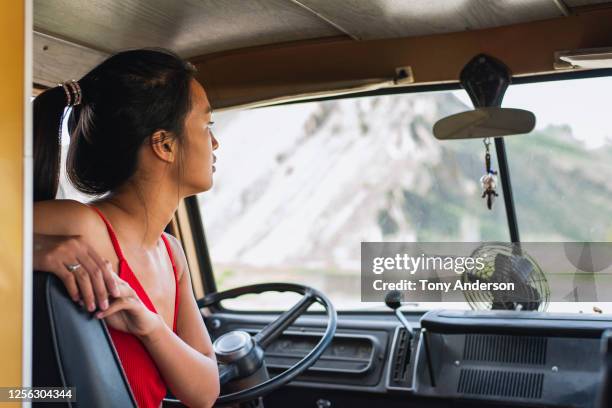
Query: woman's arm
x=64 y=217
x=187 y=363
x=60 y=228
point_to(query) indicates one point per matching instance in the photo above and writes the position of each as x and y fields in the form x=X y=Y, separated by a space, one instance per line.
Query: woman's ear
x=163 y=145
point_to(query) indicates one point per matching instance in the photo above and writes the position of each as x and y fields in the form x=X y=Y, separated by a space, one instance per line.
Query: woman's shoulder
x=65 y=217
x=177 y=253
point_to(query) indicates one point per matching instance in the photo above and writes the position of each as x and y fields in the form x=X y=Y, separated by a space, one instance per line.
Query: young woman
x=140 y=142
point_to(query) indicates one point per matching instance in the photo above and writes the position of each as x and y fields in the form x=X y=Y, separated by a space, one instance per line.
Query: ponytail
x=48 y=110
x=125 y=99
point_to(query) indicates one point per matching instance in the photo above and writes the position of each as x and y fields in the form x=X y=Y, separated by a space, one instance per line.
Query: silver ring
x=73 y=267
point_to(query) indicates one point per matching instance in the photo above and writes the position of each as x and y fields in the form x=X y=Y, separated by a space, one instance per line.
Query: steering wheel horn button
x=232 y=346
x=245 y=378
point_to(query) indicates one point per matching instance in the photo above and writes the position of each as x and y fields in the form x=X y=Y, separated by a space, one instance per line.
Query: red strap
x=117 y=248
x=111 y=232
x=176 y=283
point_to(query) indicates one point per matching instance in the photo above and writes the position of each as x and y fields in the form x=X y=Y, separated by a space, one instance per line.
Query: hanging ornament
x=489 y=180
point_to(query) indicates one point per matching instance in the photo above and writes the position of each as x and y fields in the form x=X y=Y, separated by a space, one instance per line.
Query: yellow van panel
x=12 y=83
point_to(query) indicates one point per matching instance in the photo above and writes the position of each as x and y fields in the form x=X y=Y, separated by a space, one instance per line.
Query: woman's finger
x=69 y=282
x=107 y=273
x=116 y=306
x=95 y=277
x=125 y=290
x=85 y=287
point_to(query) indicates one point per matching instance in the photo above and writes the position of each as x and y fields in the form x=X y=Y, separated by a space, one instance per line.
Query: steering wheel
x=241 y=355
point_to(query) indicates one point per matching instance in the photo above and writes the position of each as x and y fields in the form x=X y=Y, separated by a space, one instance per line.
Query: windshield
x=299 y=187
x=561 y=172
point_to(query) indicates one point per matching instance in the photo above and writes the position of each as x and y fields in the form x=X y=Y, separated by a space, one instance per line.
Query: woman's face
x=198 y=144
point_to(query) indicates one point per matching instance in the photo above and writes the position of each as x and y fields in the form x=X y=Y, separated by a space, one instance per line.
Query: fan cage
x=483 y=300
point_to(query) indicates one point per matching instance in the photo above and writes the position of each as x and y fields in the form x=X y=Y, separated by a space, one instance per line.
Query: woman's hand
x=91 y=283
x=128 y=314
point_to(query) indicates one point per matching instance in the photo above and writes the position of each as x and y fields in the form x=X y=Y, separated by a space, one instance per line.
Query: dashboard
x=495 y=358
x=514 y=357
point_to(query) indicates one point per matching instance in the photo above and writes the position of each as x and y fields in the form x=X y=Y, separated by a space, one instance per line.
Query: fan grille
x=484 y=300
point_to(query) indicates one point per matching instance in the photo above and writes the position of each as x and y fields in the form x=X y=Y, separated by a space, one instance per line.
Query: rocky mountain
x=303 y=185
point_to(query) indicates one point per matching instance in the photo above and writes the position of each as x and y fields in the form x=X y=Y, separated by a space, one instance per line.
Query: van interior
x=343 y=123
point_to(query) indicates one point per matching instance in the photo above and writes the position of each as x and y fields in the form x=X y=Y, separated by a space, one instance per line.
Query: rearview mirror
x=485 y=80
x=484 y=122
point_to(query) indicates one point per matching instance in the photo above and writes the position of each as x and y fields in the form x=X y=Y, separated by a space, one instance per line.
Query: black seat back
x=71 y=348
x=605 y=388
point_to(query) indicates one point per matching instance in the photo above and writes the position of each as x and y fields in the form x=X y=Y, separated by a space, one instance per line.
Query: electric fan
x=507 y=263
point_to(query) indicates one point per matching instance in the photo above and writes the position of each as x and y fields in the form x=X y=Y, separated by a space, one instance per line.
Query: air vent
x=505 y=349
x=512 y=384
x=401 y=359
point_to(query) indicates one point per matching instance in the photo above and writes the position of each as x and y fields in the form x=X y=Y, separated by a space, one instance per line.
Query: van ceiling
x=198 y=27
x=72 y=36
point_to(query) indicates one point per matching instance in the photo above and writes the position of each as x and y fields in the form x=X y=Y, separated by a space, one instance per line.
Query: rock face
x=303 y=185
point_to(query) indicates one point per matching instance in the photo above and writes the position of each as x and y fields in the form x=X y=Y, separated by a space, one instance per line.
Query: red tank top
x=145 y=379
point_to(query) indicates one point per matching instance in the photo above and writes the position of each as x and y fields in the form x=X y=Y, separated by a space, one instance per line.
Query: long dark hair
x=125 y=100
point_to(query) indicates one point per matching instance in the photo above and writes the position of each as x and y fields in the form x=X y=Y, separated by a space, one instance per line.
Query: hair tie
x=73 y=92
x=72 y=89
